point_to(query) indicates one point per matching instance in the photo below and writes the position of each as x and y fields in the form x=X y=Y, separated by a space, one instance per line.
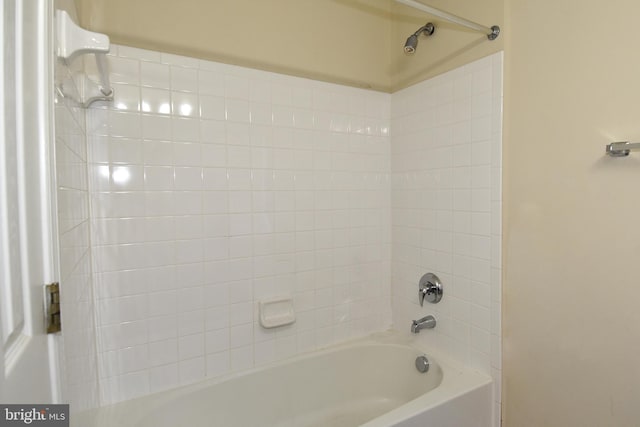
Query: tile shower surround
x=214 y=186
x=446 y=209
x=79 y=355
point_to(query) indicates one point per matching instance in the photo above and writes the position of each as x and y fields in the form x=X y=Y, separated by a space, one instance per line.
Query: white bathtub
x=370 y=382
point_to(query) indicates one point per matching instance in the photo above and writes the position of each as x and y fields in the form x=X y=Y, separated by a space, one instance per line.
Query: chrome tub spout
x=427 y=322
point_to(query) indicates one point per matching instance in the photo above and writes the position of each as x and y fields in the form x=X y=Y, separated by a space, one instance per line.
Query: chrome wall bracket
x=621 y=149
x=495 y=32
x=430 y=288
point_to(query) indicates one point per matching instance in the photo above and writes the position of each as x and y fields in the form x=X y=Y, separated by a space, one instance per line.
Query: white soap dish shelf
x=277 y=312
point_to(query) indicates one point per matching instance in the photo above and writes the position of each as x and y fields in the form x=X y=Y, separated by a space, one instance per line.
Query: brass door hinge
x=52 y=312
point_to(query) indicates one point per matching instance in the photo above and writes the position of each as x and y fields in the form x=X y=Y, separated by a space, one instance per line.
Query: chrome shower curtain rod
x=491 y=33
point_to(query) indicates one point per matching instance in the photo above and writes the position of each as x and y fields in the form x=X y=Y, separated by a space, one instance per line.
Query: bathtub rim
x=457 y=380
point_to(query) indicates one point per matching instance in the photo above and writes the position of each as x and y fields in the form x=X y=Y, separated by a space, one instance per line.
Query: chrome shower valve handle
x=430 y=288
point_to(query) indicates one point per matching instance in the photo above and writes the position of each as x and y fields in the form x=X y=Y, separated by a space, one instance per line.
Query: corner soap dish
x=277 y=312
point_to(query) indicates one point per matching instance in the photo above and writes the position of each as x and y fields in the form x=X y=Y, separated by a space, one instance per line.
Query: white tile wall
x=446 y=209
x=213 y=187
x=77 y=301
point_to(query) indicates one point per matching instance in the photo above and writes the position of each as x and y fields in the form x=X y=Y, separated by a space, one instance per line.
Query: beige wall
x=572 y=239
x=77 y=10
x=354 y=42
x=344 y=41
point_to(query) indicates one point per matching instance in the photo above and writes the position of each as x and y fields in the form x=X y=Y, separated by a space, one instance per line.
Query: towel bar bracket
x=74 y=41
x=621 y=149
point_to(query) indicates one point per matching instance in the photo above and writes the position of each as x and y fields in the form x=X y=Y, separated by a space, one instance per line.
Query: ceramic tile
x=126 y=97
x=212 y=107
x=210 y=83
x=124 y=70
x=184 y=104
x=155 y=75
x=184 y=79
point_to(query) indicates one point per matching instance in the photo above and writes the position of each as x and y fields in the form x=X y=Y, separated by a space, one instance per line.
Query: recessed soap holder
x=277 y=312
